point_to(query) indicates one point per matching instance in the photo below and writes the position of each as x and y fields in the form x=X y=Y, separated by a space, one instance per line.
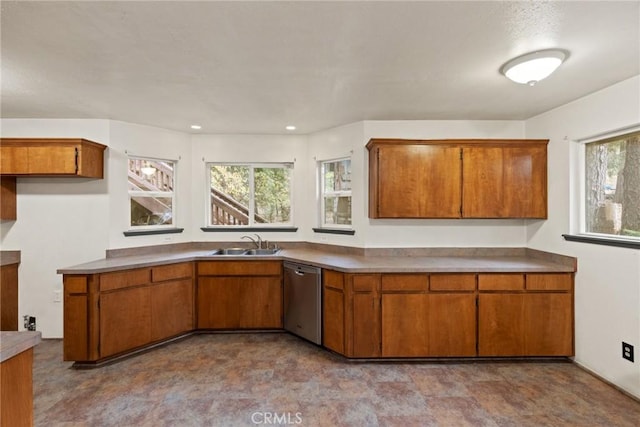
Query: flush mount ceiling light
x=196 y=127
x=290 y=127
x=529 y=69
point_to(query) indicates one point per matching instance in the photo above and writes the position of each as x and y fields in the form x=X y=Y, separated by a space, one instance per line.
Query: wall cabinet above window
x=457 y=178
x=51 y=156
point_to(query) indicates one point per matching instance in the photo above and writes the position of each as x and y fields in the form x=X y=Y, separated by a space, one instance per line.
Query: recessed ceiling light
x=196 y=127
x=290 y=127
x=532 y=67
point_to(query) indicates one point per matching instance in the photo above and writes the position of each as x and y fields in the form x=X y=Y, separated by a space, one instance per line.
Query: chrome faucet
x=257 y=241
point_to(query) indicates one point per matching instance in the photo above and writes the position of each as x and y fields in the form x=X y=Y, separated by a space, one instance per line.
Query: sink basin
x=229 y=251
x=262 y=251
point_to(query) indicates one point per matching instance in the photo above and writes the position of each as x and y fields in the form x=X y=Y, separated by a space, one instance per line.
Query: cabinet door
x=452 y=325
x=52 y=160
x=415 y=181
x=501 y=324
x=125 y=320
x=171 y=309
x=365 y=316
x=548 y=324
x=504 y=182
x=260 y=302
x=9 y=297
x=218 y=303
x=333 y=319
x=13 y=160
x=405 y=329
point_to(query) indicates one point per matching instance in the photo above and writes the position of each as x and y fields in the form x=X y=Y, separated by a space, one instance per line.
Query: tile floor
x=278 y=379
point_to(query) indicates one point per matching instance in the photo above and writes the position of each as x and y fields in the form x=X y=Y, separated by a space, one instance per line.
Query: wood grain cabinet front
x=537 y=321
x=239 y=295
x=114 y=313
x=333 y=311
x=457 y=178
x=417 y=322
x=9 y=297
x=51 y=156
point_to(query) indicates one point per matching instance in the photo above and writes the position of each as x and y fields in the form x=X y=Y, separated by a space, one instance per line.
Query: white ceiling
x=254 y=67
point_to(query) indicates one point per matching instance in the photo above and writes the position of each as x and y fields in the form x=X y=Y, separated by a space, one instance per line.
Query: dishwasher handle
x=299 y=273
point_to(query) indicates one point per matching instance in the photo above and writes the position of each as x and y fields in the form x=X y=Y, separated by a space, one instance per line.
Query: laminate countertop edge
x=9 y=258
x=340 y=262
x=13 y=343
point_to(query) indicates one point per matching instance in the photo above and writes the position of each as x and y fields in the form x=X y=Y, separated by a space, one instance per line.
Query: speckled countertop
x=13 y=343
x=340 y=262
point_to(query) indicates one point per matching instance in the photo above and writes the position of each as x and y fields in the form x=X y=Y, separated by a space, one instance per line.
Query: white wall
x=607 y=302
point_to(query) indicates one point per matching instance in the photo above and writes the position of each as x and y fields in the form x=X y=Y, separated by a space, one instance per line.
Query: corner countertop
x=9 y=257
x=341 y=262
x=13 y=343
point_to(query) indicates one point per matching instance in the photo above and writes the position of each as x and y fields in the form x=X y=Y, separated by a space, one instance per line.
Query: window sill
x=347 y=231
x=242 y=229
x=154 y=231
x=606 y=241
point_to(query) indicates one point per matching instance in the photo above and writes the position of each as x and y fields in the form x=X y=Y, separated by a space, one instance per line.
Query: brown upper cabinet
x=51 y=156
x=457 y=178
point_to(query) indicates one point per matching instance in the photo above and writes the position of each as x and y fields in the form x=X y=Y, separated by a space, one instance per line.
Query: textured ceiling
x=254 y=67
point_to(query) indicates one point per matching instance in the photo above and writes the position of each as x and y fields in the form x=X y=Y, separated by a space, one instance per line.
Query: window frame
x=322 y=193
x=252 y=225
x=583 y=235
x=132 y=229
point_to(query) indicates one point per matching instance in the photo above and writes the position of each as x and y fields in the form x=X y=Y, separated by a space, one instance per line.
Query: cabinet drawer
x=170 y=272
x=124 y=279
x=452 y=282
x=405 y=282
x=549 y=282
x=365 y=282
x=501 y=282
x=239 y=268
x=75 y=284
x=333 y=279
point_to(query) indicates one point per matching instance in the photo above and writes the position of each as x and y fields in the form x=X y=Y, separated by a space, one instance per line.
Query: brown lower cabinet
x=448 y=315
x=365 y=315
x=9 y=297
x=525 y=315
x=113 y=313
x=239 y=295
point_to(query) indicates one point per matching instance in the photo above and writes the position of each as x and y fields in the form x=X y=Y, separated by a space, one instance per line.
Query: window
x=335 y=197
x=612 y=186
x=151 y=185
x=250 y=194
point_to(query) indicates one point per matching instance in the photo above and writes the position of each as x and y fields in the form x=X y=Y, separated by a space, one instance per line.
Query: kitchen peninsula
x=377 y=303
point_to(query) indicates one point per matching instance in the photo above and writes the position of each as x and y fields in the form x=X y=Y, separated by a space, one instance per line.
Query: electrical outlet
x=29 y=323
x=627 y=351
x=57 y=296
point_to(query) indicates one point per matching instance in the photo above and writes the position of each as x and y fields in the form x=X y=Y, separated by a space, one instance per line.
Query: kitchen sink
x=229 y=251
x=262 y=251
x=243 y=251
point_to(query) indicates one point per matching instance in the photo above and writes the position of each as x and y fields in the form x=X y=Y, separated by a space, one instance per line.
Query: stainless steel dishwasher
x=302 y=301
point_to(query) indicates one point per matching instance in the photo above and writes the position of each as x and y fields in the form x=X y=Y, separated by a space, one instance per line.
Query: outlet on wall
x=627 y=351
